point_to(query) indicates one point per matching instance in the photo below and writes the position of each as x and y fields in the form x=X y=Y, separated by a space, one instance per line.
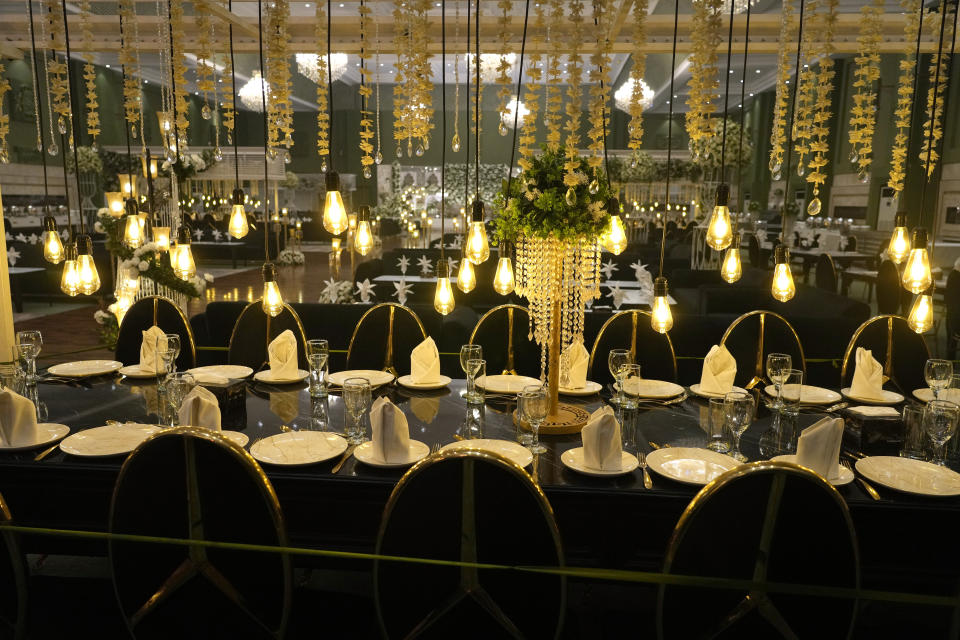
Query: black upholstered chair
x=384 y=338
x=145 y=313
x=254 y=332
x=752 y=336
x=631 y=329
x=890 y=294
x=902 y=352
x=951 y=300
x=753 y=251
x=826 y=273
x=200 y=486
x=13 y=581
x=766 y=522
x=369 y=270
x=503 y=332
x=468 y=506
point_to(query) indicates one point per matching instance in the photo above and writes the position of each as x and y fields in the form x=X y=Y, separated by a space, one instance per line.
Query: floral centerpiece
x=291 y=257
x=87 y=159
x=188 y=165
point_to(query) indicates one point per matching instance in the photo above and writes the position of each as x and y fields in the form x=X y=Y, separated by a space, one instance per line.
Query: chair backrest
x=451 y=506
x=13 y=581
x=627 y=329
x=752 y=336
x=951 y=300
x=503 y=332
x=889 y=296
x=753 y=250
x=769 y=522
x=902 y=352
x=201 y=486
x=255 y=330
x=384 y=338
x=162 y=312
x=826 y=273
x=851 y=243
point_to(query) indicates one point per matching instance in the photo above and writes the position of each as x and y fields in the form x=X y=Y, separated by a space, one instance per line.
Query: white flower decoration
x=33 y=238
x=402 y=291
x=20 y=237
x=12 y=256
x=608 y=269
x=617 y=294
x=198 y=234
x=365 y=290
x=426 y=265
x=403 y=263
x=143 y=266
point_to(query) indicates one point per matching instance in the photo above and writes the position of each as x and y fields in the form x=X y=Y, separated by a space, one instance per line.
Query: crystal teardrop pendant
x=633 y=163
x=814 y=207
x=367 y=173
x=420 y=150
x=455 y=145
x=323 y=166
x=94 y=146
x=272 y=153
x=426 y=144
x=39 y=145
x=229 y=138
x=133 y=131
x=594 y=187
x=205 y=112
x=801 y=170
x=854 y=157
x=775 y=168
x=218 y=154
x=378 y=158
x=502 y=129
x=863 y=177
x=61 y=125
x=4 y=159
x=53 y=149
x=706 y=154
x=777 y=175
x=288 y=140
x=410 y=148
x=399 y=151
x=286 y=157
x=571 y=197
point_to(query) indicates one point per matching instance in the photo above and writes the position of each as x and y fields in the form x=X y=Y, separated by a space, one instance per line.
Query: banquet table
x=613 y=522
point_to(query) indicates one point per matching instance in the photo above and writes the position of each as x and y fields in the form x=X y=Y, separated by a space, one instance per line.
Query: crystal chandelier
x=508 y=116
x=624 y=94
x=488 y=65
x=307 y=65
x=250 y=93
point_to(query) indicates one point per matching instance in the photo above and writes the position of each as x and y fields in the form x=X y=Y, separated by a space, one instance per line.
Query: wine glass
x=629 y=373
x=739 y=409
x=937 y=374
x=616 y=360
x=321 y=347
x=318 y=362
x=356 y=398
x=178 y=385
x=532 y=403
x=940 y=423
x=476 y=369
x=777 y=366
x=29 y=344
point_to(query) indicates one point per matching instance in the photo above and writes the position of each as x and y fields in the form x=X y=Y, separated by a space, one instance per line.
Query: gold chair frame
x=635 y=316
x=758 y=599
x=388 y=356
x=759 y=374
x=186 y=322
x=511 y=309
x=18 y=562
x=259 y=304
x=888 y=360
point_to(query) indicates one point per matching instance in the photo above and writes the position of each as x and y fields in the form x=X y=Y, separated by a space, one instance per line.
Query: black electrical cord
x=516 y=109
x=74 y=108
x=233 y=89
x=266 y=156
x=726 y=97
x=36 y=89
x=743 y=111
x=673 y=65
x=329 y=90
x=789 y=130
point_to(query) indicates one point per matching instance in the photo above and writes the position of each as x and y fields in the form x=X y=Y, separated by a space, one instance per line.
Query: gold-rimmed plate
x=415 y=451
x=298 y=448
x=588 y=389
x=809 y=394
x=690 y=465
x=574 y=459
x=134 y=371
x=84 y=368
x=107 y=441
x=910 y=476
x=47 y=432
x=376 y=378
x=888 y=397
x=268 y=377
x=697 y=391
x=513 y=451
x=505 y=383
x=407 y=381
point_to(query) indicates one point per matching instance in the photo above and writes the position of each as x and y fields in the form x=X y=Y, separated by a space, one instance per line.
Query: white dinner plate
x=697 y=391
x=588 y=389
x=573 y=459
x=656 y=389
x=505 y=383
x=845 y=476
x=407 y=381
x=513 y=451
x=910 y=476
x=376 y=378
x=240 y=439
x=809 y=394
x=925 y=394
x=84 y=368
x=48 y=433
x=690 y=465
x=231 y=371
x=889 y=397
x=111 y=440
x=298 y=448
x=134 y=371
x=267 y=376
x=416 y=451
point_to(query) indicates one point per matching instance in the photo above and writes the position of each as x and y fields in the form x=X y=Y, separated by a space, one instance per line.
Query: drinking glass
x=11 y=377
x=532 y=403
x=629 y=373
x=29 y=344
x=178 y=385
x=470 y=352
x=616 y=359
x=476 y=369
x=173 y=344
x=322 y=347
x=318 y=386
x=167 y=363
x=777 y=366
x=717 y=434
x=738 y=407
x=940 y=423
x=356 y=398
x=937 y=374
x=912 y=432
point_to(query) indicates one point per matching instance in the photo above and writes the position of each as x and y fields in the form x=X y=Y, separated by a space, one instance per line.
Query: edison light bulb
x=114 y=203
x=503 y=280
x=731 y=269
x=238 y=227
x=86 y=269
x=614 y=237
x=443 y=300
x=661 y=318
x=334 y=213
x=920 y=319
x=363 y=238
x=478 y=248
x=181 y=256
x=52 y=245
x=720 y=231
x=916 y=275
x=899 y=247
x=161 y=237
x=782 y=288
x=466 y=276
x=70 y=278
x=133 y=232
x=272 y=298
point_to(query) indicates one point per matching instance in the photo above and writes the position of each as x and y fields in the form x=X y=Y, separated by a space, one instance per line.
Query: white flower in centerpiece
x=208 y=277
x=617 y=294
x=365 y=290
x=402 y=291
x=20 y=237
x=10 y=237
x=426 y=265
x=143 y=266
x=12 y=256
x=456 y=244
x=34 y=238
x=608 y=269
x=217 y=234
x=403 y=263
x=453 y=264
x=63 y=234
x=644 y=277
x=330 y=291
x=198 y=234
x=98 y=227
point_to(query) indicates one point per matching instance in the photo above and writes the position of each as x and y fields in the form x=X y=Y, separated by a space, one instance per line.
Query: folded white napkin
x=283 y=356
x=819 y=447
x=875 y=412
x=601 y=441
x=390 y=434
x=18 y=420
x=719 y=370
x=425 y=363
x=867 y=377
x=200 y=409
x=577 y=358
x=148 y=349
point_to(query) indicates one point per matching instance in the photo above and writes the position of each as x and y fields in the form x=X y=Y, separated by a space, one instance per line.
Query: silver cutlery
x=665 y=403
x=346 y=455
x=642 y=458
x=863 y=483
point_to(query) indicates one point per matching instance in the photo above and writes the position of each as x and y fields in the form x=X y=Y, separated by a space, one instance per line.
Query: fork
x=863 y=483
x=642 y=459
x=435 y=448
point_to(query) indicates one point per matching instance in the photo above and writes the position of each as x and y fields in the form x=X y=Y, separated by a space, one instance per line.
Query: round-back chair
x=753 y=251
x=384 y=338
x=752 y=336
x=193 y=483
x=627 y=329
x=951 y=300
x=145 y=313
x=890 y=294
x=765 y=522
x=826 y=273
x=468 y=506
x=13 y=581
x=255 y=330
x=902 y=352
x=503 y=332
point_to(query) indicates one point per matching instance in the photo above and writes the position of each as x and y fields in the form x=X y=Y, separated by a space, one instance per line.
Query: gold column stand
x=568 y=419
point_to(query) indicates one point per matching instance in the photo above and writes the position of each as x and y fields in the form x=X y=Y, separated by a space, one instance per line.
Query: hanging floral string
x=421 y=86
x=280 y=105
x=323 y=97
x=89 y=75
x=639 y=56
x=811 y=48
x=820 y=145
x=572 y=174
x=476 y=119
x=128 y=60
x=503 y=66
x=906 y=88
x=939 y=72
x=205 y=67
x=531 y=96
x=778 y=136
x=59 y=88
x=181 y=102
x=553 y=98
x=455 y=140
x=704 y=84
x=600 y=85
x=867 y=73
x=366 y=116
x=378 y=158
x=4 y=119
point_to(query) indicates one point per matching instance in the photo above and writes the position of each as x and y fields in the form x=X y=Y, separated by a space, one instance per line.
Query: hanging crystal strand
x=36 y=89
x=52 y=148
x=455 y=141
x=378 y=158
x=217 y=152
x=138 y=72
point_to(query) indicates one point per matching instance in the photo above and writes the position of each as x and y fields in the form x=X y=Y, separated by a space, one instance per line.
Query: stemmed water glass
x=937 y=374
x=318 y=356
x=777 y=366
x=476 y=369
x=178 y=385
x=532 y=403
x=940 y=423
x=616 y=360
x=29 y=344
x=470 y=352
x=739 y=411
x=168 y=348
x=356 y=398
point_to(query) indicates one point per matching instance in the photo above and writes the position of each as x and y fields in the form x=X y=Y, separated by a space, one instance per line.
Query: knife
x=43 y=454
x=346 y=454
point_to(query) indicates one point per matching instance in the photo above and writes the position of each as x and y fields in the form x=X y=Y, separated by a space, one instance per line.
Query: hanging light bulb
x=661 y=318
x=731 y=268
x=614 y=236
x=335 y=245
x=503 y=282
x=133 y=231
x=363 y=238
x=783 y=288
x=128 y=184
x=719 y=231
x=920 y=319
x=86 y=269
x=238 y=227
x=181 y=256
x=478 y=248
x=52 y=245
x=899 y=247
x=70 y=277
x=466 y=276
x=272 y=298
x=443 y=300
x=114 y=203
x=916 y=274
x=161 y=237
x=149 y=168
x=334 y=214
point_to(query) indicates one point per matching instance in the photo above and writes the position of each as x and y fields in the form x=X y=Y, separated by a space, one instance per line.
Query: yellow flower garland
x=600 y=87
x=503 y=65
x=205 y=68
x=56 y=69
x=227 y=113
x=819 y=145
x=365 y=91
x=863 y=112
x=128 y=58
x=703 y=84
x=89 y=75
x=280 y=105
x=177 y=54
x=635 y=128
x=572 y=174
x=806 y=90
x=323 y=98
x=553 y=98
x=778 y=136
x=939 y=75
x=4 y=119
x=531 y=97
x=904 y=109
